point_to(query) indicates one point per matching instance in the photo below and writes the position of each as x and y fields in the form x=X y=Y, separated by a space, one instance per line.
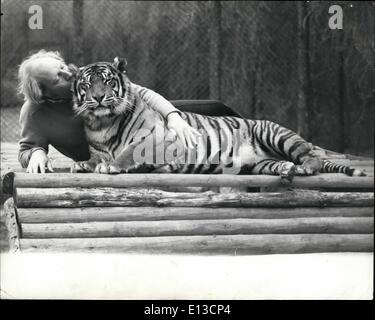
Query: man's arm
x=156 y=101
x=173 y=117
x=32 y=136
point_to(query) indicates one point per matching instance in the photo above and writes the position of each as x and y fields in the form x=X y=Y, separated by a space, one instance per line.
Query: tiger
x=117 y=122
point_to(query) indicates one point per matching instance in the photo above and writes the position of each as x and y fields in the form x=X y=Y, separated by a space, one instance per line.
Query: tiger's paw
x=287 y=173
x=82 y=166
x=108 y=168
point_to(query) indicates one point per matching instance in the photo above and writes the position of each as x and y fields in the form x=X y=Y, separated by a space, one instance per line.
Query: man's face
x=53 y=77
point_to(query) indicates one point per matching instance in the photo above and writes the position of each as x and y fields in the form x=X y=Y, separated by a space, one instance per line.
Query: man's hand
x=183 y=130
x=39 y=161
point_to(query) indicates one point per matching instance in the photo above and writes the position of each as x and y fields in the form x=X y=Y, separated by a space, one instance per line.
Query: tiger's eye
x=112 y=82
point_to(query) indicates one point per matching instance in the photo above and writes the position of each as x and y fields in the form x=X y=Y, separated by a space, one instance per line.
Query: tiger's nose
x=99 y=99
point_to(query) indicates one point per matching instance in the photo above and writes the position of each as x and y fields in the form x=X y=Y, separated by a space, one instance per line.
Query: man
x=47 y=117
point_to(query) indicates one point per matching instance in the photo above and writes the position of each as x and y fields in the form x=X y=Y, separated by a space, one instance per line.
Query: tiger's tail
x=330 y=167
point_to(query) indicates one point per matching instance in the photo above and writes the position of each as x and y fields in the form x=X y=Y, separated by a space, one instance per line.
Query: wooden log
x=10 y=163
x=73 y=215
x=12 y=226
x=128 y=197
x=7 y=182
x=206 y=245
x=90 y=180
x=198 y=227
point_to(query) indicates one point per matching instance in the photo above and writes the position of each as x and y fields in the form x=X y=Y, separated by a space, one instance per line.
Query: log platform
x=187 y=214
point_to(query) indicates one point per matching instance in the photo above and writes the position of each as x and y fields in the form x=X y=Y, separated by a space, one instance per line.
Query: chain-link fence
x=248 y=54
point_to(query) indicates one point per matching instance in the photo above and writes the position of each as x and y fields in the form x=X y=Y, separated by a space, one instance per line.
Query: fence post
x=78 y=31
x=342 y=90
x=215 y=50
x=303 y=127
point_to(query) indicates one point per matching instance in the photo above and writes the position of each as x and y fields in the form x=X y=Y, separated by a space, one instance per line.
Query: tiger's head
x=101 y=89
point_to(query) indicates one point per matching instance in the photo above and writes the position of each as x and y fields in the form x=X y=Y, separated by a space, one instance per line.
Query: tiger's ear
x=120 y=64
x=74 y=69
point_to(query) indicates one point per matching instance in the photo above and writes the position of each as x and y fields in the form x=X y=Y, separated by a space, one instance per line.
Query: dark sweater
x=51 y=123
x=54 y=124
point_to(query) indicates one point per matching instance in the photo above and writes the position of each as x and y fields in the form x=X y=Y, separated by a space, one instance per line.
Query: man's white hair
x=28 y=86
